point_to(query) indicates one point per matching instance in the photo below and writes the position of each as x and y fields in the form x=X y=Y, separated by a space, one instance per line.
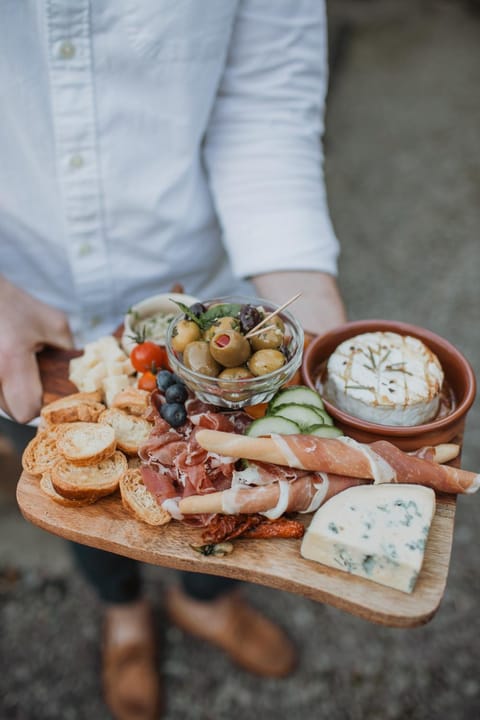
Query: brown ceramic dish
x=458 y=374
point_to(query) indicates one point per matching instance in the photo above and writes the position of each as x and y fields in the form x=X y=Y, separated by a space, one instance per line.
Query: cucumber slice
x=272 y=424
x=303 y=415
x=324 y=431
x=297 y=395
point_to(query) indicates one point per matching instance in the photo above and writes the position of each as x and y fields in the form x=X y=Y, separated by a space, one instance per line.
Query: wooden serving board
x=275 y=563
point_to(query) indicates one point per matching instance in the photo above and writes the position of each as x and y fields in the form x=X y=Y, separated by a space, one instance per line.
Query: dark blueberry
x=164 y=379
x=174 y=414
x=176 y=393
x=197 y=309
x=249 y=317
x=176 y=379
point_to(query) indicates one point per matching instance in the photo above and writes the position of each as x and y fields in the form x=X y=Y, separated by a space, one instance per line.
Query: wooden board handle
x=53 y=366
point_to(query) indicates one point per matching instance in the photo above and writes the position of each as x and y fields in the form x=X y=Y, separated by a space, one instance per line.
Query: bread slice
x=139 y=501
x=133 y=400
x=130 y=431
x=46 y=486
x=41 y=452
x=134 y=462
x=84 y=443
x=88 y=482
x=84 y=407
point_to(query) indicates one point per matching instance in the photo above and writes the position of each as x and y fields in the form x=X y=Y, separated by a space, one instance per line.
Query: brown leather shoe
x=130 y=682
x=230 y=623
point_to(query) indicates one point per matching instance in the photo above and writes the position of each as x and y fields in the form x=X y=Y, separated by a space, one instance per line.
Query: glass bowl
x=239 y=393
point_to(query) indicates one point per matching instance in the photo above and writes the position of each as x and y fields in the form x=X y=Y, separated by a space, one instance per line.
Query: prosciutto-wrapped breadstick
x=419 y=471
x=305 y=494
x=381 y=461
x=340 y=456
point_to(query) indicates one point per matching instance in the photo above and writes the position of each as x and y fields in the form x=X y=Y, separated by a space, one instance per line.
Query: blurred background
x=403 y=176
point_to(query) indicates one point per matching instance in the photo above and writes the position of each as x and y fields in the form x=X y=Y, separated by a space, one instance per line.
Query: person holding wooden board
x=170 y=143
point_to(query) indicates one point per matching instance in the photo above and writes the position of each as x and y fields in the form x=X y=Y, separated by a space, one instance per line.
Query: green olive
x=225 y=323
x=236 y=373
x=197 y=357
x=266 y=361
x=230 y=348
x=279 y=323
x=270 y=338
x=184 y=332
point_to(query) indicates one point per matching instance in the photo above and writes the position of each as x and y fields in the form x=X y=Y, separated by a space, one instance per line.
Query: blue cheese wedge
x=385 y=378
x=378 y=532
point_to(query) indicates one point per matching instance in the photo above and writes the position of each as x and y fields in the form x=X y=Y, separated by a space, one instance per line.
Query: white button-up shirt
x=146 y=142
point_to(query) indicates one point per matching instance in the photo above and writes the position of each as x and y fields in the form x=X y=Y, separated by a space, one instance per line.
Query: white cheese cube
x=378 y=532
x=93 y=378
x=116 y=366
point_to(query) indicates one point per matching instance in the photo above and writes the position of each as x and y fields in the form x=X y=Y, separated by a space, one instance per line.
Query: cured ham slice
x=175 y=466
x=380 y=461
x=419 y=471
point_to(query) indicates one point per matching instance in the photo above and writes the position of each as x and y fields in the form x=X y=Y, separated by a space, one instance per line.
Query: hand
x=320 y=306
x=26 y=325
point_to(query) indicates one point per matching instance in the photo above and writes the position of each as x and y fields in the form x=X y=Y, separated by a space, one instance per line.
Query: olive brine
x=212 y=341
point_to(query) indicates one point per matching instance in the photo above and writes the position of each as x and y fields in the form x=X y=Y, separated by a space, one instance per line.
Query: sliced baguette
x=130 y=431
x=139 y=501
x=41 y=452
x=46 y=486
x=134 y=462
x=88 y=482
x=83 y=406
x=133 y=400
x=84 y=443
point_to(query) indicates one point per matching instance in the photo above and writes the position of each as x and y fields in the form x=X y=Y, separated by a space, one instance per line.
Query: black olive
x=176 y=393
x=197 y=309
x=173 y=413
x=164 y=379
x=249 y=317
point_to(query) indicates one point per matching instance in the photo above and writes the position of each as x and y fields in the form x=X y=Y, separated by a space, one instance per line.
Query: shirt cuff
x=282 y=242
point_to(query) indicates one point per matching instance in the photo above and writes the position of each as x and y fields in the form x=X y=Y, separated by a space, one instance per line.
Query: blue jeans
x=115 y=578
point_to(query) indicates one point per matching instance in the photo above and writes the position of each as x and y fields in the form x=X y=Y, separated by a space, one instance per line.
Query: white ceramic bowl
x=142 y=313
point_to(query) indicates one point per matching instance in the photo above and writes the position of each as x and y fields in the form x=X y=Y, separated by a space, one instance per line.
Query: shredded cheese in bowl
x=150 y=318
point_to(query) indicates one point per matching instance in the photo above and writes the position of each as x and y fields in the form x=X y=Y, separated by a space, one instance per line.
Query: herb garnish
x=210 y=316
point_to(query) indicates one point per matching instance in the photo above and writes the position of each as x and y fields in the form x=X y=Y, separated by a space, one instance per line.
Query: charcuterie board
x=275 y=563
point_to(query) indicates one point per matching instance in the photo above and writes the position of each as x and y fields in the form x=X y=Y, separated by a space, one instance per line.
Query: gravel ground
x=403 y=173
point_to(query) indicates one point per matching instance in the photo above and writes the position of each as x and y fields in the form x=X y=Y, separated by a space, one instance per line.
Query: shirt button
x=67 y=50
x=95 y=320
x=76 y=162
x=84 y=249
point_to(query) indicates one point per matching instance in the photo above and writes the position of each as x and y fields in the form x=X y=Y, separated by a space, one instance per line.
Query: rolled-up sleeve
x=263 y=149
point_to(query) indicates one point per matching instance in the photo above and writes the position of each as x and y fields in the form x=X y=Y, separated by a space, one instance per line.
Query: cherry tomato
x=148 y=356
x=147 y=381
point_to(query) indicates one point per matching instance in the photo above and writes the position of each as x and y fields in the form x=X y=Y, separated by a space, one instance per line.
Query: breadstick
x=443 y=453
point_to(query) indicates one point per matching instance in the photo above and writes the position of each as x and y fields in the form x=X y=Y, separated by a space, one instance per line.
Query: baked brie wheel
x=384 y=378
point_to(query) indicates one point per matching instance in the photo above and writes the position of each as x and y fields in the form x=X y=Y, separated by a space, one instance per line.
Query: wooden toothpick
x=267 y=318
x=259 y=331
